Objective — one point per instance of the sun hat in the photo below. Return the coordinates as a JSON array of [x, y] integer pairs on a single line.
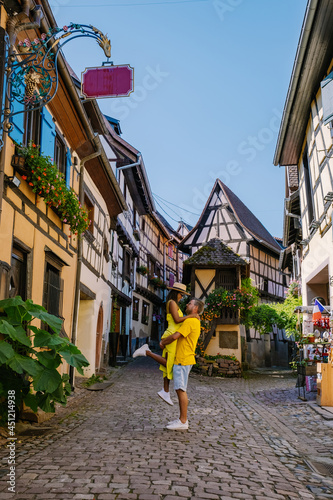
[[179, 287]]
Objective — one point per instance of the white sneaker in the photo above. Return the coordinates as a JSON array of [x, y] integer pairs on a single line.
[[172, 422], [165, 396], [142, 351], [178, 426]]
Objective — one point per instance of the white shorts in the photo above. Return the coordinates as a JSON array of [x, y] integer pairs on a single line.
[[180, 376]]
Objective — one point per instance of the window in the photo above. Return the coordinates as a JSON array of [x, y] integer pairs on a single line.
[[226, 279], [327, 98], [143, 225], [53, 290], [157, 270], [18, 272], [171, 279], [60, 154], [308, 187], [127, 265], [32, 127], [170, 252], [136, 306], [90, 209], [151, 266], [125, 190], [145, 313]]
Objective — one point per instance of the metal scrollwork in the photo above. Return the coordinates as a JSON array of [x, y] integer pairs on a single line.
[[32, 72]]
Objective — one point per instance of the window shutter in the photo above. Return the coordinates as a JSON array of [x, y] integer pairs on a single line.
[[48, 134], [327, 98], [68, 167], [17, 132]]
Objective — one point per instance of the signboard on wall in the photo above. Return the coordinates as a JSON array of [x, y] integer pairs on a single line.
[[107, 81]]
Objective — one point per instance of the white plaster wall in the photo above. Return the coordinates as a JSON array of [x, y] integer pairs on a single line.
[[213, 347], [86, 341], [88, 316]]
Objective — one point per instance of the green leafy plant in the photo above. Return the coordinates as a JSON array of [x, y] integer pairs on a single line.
[[143, 270], [291, 320], [242, 299], [94, 379], [220, 356], [30, 357], [263, 317], [157, 282], [45, 180]]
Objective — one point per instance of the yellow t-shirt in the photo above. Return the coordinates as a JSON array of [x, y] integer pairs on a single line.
[[187, 342]]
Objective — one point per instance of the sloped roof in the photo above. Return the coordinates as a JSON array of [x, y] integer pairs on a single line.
[[215, 253], [313, 58], [165, 222], [243, 215], [248, 220]]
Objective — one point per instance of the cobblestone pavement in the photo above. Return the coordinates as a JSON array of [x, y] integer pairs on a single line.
[[248, 439]]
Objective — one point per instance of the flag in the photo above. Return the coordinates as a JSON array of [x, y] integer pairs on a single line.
[[317, 310]]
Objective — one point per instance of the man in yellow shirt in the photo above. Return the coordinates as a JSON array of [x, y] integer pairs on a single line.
[[187, 335]]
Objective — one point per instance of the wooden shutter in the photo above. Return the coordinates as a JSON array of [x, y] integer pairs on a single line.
[[53, 291], [327, 98], [17, 133], [68, 167], [48, 134]]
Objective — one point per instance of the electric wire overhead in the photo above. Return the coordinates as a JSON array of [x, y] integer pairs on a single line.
[[132, 4], [159, 200]]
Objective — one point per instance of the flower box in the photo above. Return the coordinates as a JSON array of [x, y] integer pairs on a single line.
[[46, 181]]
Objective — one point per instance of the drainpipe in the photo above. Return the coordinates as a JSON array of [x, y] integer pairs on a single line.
[[79, 259], [164, 265], [136, 164]]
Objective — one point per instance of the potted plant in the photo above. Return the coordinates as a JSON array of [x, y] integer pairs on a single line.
[[157, 282], [143, 270]]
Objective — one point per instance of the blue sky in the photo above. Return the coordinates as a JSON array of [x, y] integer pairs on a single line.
[[211, 78]]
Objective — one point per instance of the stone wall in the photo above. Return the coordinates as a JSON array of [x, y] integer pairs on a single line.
[[219, 367]]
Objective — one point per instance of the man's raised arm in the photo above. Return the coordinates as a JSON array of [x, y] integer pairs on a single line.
[[169, 339]]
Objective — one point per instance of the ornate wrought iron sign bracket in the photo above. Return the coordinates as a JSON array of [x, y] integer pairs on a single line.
[[31, 69]]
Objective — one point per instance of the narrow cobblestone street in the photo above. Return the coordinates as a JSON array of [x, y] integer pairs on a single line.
[[248, 439]]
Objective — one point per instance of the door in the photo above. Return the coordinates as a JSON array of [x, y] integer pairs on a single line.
[[99, 337]]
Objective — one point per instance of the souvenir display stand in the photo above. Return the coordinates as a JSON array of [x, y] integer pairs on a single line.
[[315, 365]]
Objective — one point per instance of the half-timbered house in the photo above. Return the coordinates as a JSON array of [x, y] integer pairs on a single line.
[[226, 218], [126, 236], [40, 258], [304, 147], [213, 266]]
